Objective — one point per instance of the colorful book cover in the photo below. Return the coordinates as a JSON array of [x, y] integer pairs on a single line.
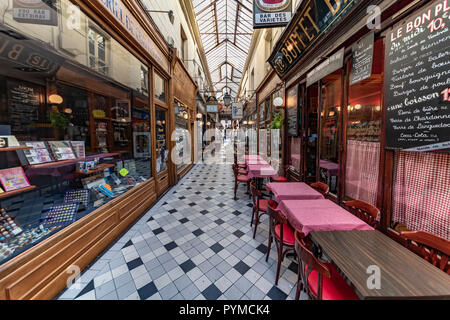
[[13, 179]]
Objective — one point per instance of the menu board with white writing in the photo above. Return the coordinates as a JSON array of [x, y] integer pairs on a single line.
[[23, 105], [362, 53], [417, 79]]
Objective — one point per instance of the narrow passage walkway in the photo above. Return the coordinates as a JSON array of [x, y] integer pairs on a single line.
[[195, 243]]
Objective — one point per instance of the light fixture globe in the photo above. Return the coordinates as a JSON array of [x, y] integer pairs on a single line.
[[227, 99], [278, 102]]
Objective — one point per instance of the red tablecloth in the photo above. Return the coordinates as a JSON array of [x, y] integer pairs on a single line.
[[261, 171], [293, 191], [320, 215]]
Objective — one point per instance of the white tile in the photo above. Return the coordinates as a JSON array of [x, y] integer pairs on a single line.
[[102, 279], [162, 281]]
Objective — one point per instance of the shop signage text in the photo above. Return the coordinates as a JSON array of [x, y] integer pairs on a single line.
[[271, 13], [330, 65], [315, 19], [126, 19], [417, 81], [35, 12]]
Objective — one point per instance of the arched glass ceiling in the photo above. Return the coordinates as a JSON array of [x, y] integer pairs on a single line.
[[226, 29]]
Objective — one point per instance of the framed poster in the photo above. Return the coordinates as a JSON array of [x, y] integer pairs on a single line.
[[39, 154], [13, 179]]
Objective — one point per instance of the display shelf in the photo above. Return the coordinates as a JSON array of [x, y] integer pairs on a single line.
[[14, 192], [15, 149], [51, 164], [99, 168]]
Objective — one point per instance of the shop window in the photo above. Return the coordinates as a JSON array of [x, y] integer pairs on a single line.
[[97, 51], [330, 130], [183, 144], [363, 133], [142, 145], [161, 141], [144, 80], [311, 132], [160, 88], [420, 192]]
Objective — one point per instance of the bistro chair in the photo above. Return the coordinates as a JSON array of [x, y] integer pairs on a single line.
[[260, 204], [320, 280], [282, 178], [240, 179], [240, 165], [365, 211], [321, 187], [281, 232], [434, 249]]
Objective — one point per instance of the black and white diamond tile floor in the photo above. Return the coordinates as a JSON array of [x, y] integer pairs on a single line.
[[195, 243]]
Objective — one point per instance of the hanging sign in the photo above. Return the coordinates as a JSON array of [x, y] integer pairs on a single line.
[[314, 19], [330, 65], [417, 81], [362, 59], [35, 12], [237, 111], [271, 13]]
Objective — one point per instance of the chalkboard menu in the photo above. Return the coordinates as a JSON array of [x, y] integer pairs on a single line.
[[418, 82], [292, 111], [362, 52], [23, 105]]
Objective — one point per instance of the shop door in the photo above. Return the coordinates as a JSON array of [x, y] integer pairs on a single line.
[[310, 147], [162, 152]]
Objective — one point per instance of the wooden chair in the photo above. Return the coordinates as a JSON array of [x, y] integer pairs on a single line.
[[280, 178], [239, 179], [434, 249], [365, 211], [321, 280], [281, 232], [321, 187], [240, 166], [259, 205]]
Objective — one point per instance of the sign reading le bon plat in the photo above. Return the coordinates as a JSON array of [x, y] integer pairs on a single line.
[[315, 19]]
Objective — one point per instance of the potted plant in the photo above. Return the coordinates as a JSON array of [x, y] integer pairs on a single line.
[[277, 121]]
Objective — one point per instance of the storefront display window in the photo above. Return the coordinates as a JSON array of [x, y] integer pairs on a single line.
[[330, 113], [311, 135], [182, 148], [161, 141], [81, 140], [363, 133], [159, 88]]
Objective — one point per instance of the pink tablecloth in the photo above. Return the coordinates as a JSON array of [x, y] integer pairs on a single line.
[[261, 171], [254, 159], [293, 191], [320, 215], [331, 167]]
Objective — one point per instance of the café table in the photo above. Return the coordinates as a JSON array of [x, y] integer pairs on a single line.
[[319, 215], [254, 159], [259, 172], [293, 191], [402, 273]]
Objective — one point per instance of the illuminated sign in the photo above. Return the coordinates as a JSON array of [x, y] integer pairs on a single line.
[[315, 19], [271, 13]]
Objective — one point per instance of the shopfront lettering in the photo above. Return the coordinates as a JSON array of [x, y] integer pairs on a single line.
[[315, 19]]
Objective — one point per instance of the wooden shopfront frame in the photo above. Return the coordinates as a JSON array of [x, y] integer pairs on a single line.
[[41, 272], [297, 76]]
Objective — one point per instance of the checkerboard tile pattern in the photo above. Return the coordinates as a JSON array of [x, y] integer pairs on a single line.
[[195, 243]]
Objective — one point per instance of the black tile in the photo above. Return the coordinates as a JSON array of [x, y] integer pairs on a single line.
[[204, 212], [129, 243], [198, 193], [236, 213], [170, 246], [276, 294], [212, 293], [90, 286], [172, 211], [158, 231], [192, 204], [223, 193], [217, 247], [134, 263], [198, 232], [221, 205], [219, 221], [151, 219], [212, 188], [147, 291], [250, 205], [262, 248], [208, 198], [187, 266], [293, 267], [238, 233], [184, 220], [182, 198], [164, 203], [242, 267]]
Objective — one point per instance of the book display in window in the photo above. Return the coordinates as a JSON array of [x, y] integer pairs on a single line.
[[62, 150], [79, 148], [38, 154], [13, 179]]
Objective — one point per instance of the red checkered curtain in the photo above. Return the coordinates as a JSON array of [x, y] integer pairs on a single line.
[[361, 176], [421, 195]]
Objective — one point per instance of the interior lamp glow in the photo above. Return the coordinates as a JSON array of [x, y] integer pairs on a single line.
[[55, 99], [199, 115]]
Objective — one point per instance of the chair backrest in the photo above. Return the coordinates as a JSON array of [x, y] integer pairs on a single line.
[[321, 187], [256, 194], [365, 211], [308, 263], [434, 249]]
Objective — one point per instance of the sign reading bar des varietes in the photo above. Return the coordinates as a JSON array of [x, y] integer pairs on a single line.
[[315, 19], [271, 13]]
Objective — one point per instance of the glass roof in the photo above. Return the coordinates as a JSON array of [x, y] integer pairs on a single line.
[[226, 29]]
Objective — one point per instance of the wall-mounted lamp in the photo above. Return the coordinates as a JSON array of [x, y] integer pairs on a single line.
[[278, 101], [170, 13], [55, 99]]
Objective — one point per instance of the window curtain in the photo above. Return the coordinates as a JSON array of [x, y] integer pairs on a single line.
[[362, 168], [295, 153], [421, 194]]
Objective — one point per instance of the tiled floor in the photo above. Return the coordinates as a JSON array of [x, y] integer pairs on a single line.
[[195, 243]]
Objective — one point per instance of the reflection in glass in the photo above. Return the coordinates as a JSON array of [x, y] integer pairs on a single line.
[[330, 128], [161, 141], [160, 88], [311, 138]]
